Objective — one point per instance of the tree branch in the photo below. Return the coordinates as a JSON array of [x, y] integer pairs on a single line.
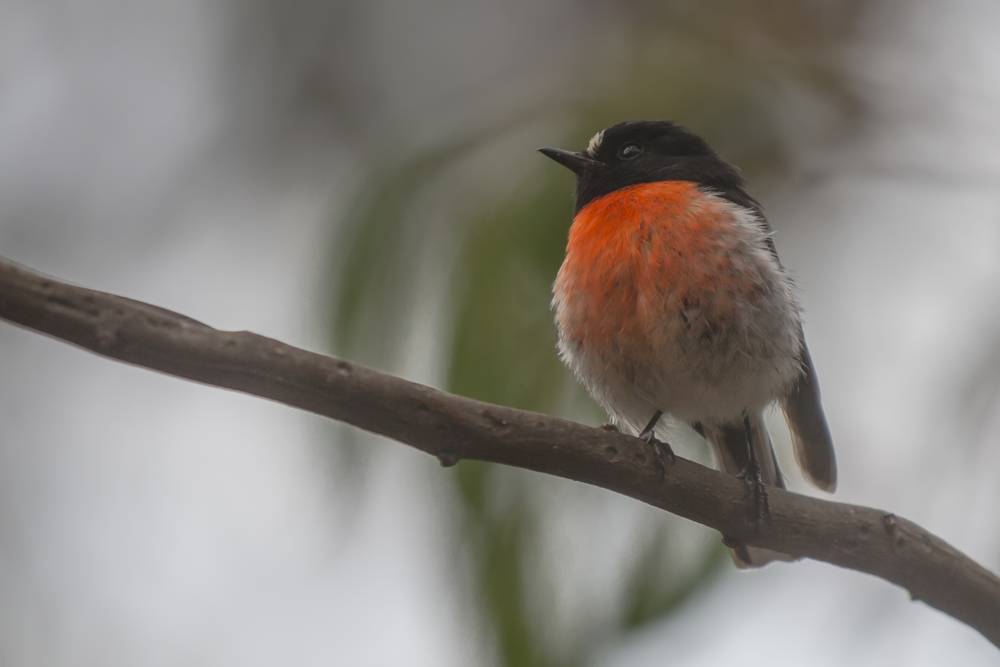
[[453, 428]]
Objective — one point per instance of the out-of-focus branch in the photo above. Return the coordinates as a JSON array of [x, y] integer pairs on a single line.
[[453, 428]]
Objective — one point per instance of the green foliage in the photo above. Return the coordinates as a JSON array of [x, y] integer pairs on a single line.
[[496, 536], [651, 597], [503, 350], [372, 259]]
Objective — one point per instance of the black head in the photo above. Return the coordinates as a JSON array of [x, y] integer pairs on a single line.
[[647, 151]]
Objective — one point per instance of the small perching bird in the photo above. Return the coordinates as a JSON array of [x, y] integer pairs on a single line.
[[671, 300]]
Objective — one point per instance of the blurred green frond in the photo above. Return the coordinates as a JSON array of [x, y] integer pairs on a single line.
[[372, 256], [502, 303], [649, 599]]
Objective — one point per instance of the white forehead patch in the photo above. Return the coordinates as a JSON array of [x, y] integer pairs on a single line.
[[595, 144]]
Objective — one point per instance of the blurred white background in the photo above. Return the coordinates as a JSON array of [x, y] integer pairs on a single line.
[[163, 150]]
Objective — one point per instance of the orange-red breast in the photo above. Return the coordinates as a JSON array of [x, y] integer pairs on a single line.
[[672, 300]]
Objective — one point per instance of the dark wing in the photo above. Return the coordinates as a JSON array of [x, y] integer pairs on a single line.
[[810, 435], [803, 410]]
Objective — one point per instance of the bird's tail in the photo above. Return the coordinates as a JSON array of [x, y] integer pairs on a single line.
[[732, 455]]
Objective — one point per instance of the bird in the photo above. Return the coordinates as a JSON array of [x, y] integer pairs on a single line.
[[671, 300]]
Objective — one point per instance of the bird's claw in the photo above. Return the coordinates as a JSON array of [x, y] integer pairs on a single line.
[[755, 484], [658, 450]]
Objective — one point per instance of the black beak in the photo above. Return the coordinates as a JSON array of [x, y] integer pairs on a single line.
[[575, 162]]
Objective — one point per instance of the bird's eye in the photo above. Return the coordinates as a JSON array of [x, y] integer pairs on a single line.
[[629, 151]]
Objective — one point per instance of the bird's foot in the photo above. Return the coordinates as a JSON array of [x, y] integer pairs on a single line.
[[755, 484], [659, 449]]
